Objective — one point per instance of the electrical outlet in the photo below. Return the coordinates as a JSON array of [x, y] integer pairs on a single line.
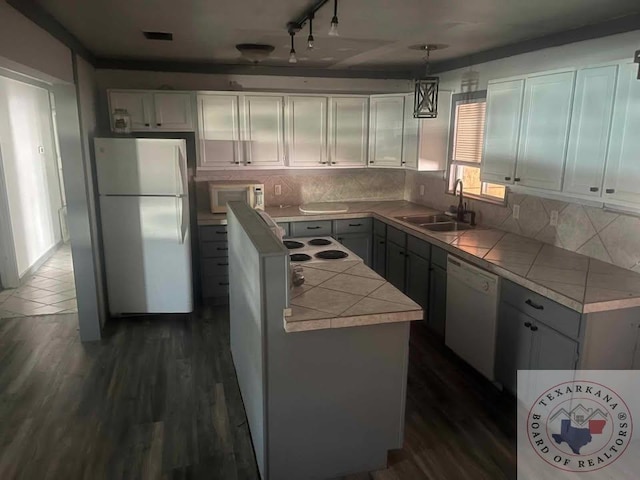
[[421, 190], [278, 190], [516, 212], [553, 220]]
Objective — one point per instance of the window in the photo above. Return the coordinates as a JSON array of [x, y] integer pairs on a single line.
[[467, 137]]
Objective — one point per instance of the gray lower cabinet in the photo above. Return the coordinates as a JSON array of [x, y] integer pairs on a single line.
[[418, 271], [396, 265], [513, 345], [437, 306], [358, 243], [379, 259], [214, 263], [320, 228]]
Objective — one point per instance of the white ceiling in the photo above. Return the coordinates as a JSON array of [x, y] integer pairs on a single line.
[[374, 34]]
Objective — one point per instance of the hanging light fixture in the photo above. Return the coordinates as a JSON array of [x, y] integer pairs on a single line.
[[310, 37], [333, 31], [425, 101], [292, 52]]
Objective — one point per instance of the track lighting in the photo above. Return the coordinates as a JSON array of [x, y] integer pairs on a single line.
[[292, 52], [310, 38], [333, 31]]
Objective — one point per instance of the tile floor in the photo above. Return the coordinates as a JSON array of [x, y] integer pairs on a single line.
[[50, 290]]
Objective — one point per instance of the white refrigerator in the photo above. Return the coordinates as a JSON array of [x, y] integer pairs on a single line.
[[144, 209]]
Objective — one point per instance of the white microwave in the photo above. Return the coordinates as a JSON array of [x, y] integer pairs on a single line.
[[225, 191]]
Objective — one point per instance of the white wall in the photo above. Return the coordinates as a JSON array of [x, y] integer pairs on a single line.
[[30, 177], [579, 54], [27, 49]]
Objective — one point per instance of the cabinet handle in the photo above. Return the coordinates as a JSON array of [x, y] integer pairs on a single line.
[[355, 224], [507, 178], [147, 125], [527, 324], [221, 233], [223, 264], [158, 124], [401, 253], [223, 284], [594, 189], [333, 163], [534, 305], [340, 239], [237, 163], [371, 161], [222, 248], [323, 163], [610, 190], [248, 162], [517, 179], [381, 242], [313, 228], [534, 328]]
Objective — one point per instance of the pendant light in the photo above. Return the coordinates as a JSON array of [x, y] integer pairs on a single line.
[[292, 52], [333, 31], [310, 37], [425, 101]]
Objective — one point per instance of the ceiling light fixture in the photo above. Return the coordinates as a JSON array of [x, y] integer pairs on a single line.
[[310, 37], [292, 52], [255, 52], [425, 100], [333, 31]]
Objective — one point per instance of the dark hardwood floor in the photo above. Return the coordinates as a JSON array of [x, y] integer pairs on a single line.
[[158, 398]]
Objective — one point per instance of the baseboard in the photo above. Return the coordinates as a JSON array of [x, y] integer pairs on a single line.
[[41, 261]]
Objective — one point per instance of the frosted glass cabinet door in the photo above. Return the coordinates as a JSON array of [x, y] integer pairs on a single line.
[[590, 127], [263, 132], [386, 130], [219, 130], [138, 104], [307, 131], [173, 111], [348, 131], [546, 113], [622, 180], [502, 129]]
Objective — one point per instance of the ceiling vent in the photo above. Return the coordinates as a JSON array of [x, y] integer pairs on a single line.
[[158, 36], [255, 52]]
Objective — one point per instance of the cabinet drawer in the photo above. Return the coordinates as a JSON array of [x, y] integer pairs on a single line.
[[311, 229], [552, 314], [439, 256], [356, 225], [214, 233], [215, 286], [419, 247], [396, 236], [214, 266], [214, 249], [286, 227], [379, 228]]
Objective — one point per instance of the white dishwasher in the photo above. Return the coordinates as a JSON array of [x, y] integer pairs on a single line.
[[472, 310]]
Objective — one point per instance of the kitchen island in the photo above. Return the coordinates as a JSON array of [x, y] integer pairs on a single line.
[[322, 368]]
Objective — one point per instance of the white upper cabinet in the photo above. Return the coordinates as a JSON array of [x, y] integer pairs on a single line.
[[262, 132], [173, 111], [307, 131], [386, 120], [219, 131], [157, 111], [434, 137], [546, 115], [139, 105], [410, 141], [348, 131], [502, 129], [590, 128], [622, 178]]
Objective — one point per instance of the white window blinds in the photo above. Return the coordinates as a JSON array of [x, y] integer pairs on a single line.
[[469, 133]]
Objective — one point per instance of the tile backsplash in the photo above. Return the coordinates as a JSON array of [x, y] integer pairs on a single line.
[[607, 236]]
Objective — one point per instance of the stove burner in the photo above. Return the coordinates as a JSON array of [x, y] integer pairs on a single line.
[[299, 257], [317, 242], [292, 245], [331, 254]]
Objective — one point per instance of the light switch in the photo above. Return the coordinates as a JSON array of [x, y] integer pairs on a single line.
[[278, 189], [516, 212], [41, 150]]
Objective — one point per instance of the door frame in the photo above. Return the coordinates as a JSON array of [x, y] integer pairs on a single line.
[[8, 264]]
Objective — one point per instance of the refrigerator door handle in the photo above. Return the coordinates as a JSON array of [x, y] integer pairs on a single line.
[[184, 217], [182, 173]]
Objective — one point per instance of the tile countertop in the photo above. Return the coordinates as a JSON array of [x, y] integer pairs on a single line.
[[346, 294], [576, 281]]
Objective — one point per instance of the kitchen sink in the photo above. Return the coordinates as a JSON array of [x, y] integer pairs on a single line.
[[446, 226], [426, 219]]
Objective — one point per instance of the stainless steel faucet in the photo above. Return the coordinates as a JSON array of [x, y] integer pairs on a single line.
[[460, 213]]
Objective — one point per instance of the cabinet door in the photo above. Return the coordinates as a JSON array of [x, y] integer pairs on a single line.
[[552, 350], [437, 316], [380, 255], [410, 135], [348, 131], [358, 243], [502, 130], [137, 104], [263, 134], [590, 128], [418, 272], [386, 120], [307, 131], [173, 111], [513, 345], [622, 180], [396, 265], [219, 130], [546, 113]]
